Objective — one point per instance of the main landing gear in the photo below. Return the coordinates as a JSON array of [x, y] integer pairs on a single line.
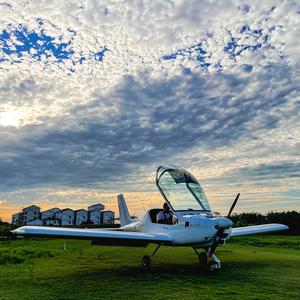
[[213, 262], [146, 260]]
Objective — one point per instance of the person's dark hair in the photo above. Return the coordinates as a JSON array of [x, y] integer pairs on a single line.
[[166, 206]]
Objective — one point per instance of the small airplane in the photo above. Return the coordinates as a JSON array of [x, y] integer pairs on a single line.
[[193, 224]]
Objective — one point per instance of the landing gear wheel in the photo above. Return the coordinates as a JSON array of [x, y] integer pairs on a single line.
[[214, 267], [146, 262], [202, 258]]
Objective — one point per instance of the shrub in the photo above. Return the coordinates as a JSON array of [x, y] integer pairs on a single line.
[[20, 255]]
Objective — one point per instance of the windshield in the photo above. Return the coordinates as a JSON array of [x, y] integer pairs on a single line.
[[181, 189]]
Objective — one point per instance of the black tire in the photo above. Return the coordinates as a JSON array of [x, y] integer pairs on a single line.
[[203, 259], [146, 262]]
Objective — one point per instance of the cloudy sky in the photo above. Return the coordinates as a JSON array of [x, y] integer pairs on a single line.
[[95, 95]]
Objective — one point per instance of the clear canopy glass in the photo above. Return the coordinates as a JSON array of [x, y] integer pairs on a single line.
[[181, 189]]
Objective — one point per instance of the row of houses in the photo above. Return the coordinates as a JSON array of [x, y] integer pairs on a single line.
[[32, 215]]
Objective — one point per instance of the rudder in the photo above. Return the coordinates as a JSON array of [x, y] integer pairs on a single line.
[[123, 211]]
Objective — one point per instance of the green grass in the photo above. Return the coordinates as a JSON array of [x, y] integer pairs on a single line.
[[258, 267]]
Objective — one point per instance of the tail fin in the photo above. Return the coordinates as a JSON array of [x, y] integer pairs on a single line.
[[123, 211]]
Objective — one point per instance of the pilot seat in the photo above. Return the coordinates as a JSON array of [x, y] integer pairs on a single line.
[[153, 213]]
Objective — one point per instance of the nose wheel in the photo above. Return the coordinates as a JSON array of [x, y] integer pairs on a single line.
[[213, 263], [214, 266]]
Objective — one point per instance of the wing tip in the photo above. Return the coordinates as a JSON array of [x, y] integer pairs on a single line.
[[258, 229]]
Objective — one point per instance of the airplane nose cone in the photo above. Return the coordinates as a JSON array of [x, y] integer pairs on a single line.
[[223, 223]]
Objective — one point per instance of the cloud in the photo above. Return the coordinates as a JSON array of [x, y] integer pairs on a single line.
[[266, 172], [148, 123]]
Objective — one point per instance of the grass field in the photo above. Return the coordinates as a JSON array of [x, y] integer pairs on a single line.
[[257, 267]]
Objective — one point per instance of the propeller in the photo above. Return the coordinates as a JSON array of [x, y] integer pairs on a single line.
[[222, 227], [233, 205]]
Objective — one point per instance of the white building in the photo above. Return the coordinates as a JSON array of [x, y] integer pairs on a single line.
[[52, 222], [66, 217], [17, 218], [36, 222], [81, 216], [97, 206], [95, 216], [31, 213], [49, 214], [107, 217]]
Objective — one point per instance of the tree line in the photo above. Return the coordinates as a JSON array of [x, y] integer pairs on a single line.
[[289, 218]]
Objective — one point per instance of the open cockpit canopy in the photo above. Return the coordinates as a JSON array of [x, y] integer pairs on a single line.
[[181, 189]]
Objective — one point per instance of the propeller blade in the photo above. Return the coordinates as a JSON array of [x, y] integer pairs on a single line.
[[233, 204]]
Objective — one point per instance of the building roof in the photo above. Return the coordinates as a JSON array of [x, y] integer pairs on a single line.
[[95, 210], [66, 209], [96, 204], [50, 209], [81, 209], [30, 207], [18, 213]]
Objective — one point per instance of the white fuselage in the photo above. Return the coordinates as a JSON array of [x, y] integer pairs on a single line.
[[191, 230]]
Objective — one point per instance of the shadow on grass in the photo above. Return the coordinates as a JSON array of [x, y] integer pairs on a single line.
[[232, 271]]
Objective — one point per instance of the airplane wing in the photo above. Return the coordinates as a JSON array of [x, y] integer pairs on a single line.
[[256, 229], [98, 237]]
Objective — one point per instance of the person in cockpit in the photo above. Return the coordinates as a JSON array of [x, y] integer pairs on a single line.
[[166, 216]]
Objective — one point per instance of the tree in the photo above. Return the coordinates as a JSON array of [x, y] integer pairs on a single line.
[[289, 218]]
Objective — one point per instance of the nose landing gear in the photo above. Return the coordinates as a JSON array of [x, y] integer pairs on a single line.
[[213, 262]]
